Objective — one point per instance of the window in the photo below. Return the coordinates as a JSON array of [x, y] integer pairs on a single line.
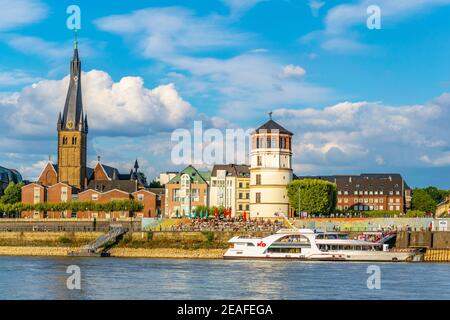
[[397, 193], [37, 195], [140, 197], [63, 194], [339, 192], [339, 200], [381, 207], [356, 200], [391, 208], [381, 200], [397, 208], [74, 140], [355, 193], [345, 200], [346, 193], [240, 207], [64, 140], [240, 195], [381, 193], [247, 207], [258, 197], [397, 200], [259, 161], [391, 193], [247, 196], [258, 179], [94, 197], [240, 184]]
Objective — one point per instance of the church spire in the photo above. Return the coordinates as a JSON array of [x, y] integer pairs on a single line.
[[73, 109]]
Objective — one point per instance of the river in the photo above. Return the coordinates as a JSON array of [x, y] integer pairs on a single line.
[[118, 278]]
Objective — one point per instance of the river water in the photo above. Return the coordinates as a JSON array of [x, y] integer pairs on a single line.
[[118, 278]]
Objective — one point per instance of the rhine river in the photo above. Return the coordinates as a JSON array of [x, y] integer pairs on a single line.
[[114, 278]]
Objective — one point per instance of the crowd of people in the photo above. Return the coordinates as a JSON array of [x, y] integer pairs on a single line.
[[228, 224]]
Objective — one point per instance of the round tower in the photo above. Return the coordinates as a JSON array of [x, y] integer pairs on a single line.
[[270, 170]]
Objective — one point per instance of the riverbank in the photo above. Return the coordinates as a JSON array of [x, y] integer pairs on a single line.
[[117, 252]]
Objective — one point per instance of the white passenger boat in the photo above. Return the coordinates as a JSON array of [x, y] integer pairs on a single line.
[[307, 244]]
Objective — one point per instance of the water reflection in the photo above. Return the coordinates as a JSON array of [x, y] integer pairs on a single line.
[[45, 278]]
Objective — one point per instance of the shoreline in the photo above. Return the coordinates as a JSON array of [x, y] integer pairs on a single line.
[[163, 253]]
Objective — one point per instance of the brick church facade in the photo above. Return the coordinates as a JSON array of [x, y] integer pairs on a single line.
[[72, 180]]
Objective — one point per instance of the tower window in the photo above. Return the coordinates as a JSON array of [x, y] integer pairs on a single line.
[[74, 140], [258, 179], [258, 197], [64, 140], [259, 161]]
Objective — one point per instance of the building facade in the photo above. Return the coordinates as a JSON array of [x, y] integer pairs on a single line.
[[270, 170], [7, 176], [370, 192], [165, 177], [186, 191], [443, 208], [230, 188]]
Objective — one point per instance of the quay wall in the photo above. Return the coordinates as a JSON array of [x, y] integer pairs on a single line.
[[367, 224]]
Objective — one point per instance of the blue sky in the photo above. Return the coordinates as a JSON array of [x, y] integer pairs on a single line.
[[358, 100]]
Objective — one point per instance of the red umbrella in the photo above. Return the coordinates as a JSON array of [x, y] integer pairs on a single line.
[[245, 216]]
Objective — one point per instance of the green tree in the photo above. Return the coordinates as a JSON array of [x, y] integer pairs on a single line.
[[438, 195], [312, 195], [12, 194], [155, 184], [423, 201]]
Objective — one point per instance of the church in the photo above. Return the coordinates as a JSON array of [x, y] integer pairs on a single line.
[[71, 179]]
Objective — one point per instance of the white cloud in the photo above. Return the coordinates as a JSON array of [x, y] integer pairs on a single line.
[[361, 135], [18, 13], [315, 6], [125, 107], [290, 71], [338, 34], [238, 7], [185, 43], [16, 77]]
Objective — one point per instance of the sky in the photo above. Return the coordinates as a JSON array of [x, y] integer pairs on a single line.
[[358, 99]]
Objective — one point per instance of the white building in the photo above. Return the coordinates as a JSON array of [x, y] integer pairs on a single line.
[[165, 177], [230, 188], [270, 170]]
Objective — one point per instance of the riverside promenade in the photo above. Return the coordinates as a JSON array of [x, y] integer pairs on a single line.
[[178, 238]]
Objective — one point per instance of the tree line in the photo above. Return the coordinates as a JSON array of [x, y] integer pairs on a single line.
[[11, 205]]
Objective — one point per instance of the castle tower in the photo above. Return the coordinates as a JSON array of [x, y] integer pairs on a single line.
[[270, 170], [72, 130]]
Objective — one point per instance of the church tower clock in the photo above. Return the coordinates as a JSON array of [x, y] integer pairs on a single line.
[[72, 130]]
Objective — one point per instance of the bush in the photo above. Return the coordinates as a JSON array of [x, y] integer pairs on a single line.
[[415, 214], [209, 236]]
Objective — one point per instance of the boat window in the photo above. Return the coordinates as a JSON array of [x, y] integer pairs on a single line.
[[249, 244]]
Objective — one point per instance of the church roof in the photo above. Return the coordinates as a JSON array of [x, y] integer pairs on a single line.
[[270, 126], [73, 117]]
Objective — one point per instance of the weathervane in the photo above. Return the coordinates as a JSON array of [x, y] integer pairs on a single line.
[[270, 115]]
